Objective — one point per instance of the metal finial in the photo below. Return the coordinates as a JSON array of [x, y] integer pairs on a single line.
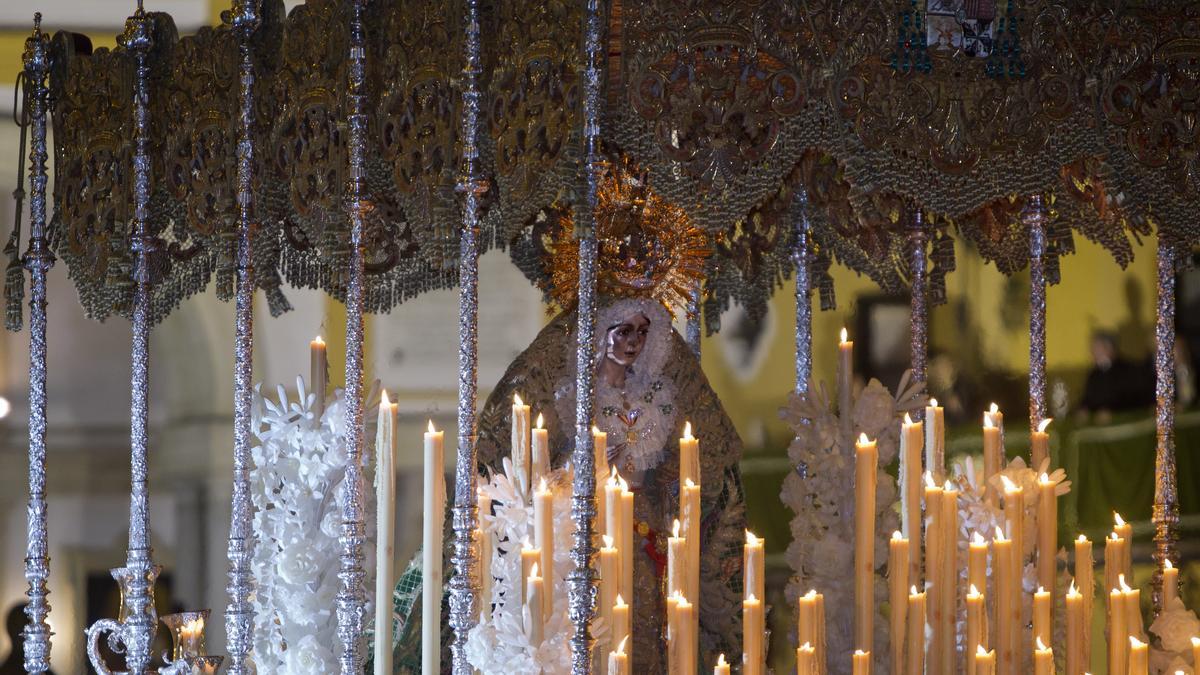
[[37, 22]]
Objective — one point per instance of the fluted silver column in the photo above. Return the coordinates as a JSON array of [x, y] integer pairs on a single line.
[[464, 585], [38, 261], [351, 599], [239, 615], [919, 298], [801, 244]]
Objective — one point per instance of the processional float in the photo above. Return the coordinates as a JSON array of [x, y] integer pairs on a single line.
[[319, 148]]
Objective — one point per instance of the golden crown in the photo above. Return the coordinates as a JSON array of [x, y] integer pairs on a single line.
[[646, 246]]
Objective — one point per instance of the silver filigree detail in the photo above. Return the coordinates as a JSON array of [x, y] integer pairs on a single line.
[[1035, 219], [1166, 496], [919, 295]]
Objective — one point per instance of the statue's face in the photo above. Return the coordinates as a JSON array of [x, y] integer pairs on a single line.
[[626, 339]]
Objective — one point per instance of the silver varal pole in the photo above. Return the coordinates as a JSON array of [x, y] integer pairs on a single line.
[[1166, 494], [38, 261], [580, 587], [464, 585], [919, 297], [239, 615], [801, 243], [351, 599], [1035, 220]]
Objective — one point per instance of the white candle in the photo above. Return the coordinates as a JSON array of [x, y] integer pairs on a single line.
[[607, 592], [534, 602], [385, 532], [600, 446], [722, 667], [866, 461], [319, 374], [910, 492], [530, 556], [689, 515], [689, 456], [676, 561], [845, 377], [620, 613], [753, 567], [520, 445], [626, 544], [543, 538], [486, 544], [618, 660], [897, 587], [431, 552], [540, 449]]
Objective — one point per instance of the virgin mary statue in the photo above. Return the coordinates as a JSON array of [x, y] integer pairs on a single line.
[[647, 385]]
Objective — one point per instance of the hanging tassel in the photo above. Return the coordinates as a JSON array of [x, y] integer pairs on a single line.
[[14, 274]]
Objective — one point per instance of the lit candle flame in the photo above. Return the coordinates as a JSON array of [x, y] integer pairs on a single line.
[[863, 440], [1041, 646], [319, 341], [987, 422], [1041, 589], [993, 409], [687, 431], [596, 430], [749, 598], [978, 539], [721, 659], [913, 590], [533, 570], [1072, 590], [517, 400], [1009, 486], [812, 593], [1044, 478], [1135, 643], [859, 652], [689, 483], [751, 540], [949, 486], [540, 421], [1118, 519], [675, 529], [844, 335], [619, 601], [999, 534], [1167, 564], [1121, 582], [907, 420], [980, 651], [431, 429], [929, 480], [542, 487], [383, 399], [1043, 424], [621, 647], [1114, 536], [933, 403], [974, 592], [1082, 539], [608, 541], [897, 535]]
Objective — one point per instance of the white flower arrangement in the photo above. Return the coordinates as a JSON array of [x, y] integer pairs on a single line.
[[297, 488], [499, 644], [1175, 627]]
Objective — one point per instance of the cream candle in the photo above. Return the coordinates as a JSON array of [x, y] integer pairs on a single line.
[[810, 620], [600, 448], [1118, 636], [911, 445], [985, 662], [689, 456], [1086, 584], [1075, 630], [1014, 514], [949, 593], [1131, 599], [1008, 607], [543, 538], [1196, 651], [722, 666], [626, 544], [385, 531], [992, 452], [540, 451], [1043, 658], [530, 555], [685, 624], [620, 614], [845, 379], [861, 662], [1047, 530], [977, 557], [607, 591], [618, 660], [1039, 444], [318, 374], [484, 546], [676, 561], [520, 445], [915, 648], [754, 566], [1139, 657], [431, 552], [897, 589], [866, 462], [1124, 531], [612, 507], [1042, 616], [935, 440], [806, 660], [1170, 584], [976, 626], [1114, 558], [753, 625], [935, 553]]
